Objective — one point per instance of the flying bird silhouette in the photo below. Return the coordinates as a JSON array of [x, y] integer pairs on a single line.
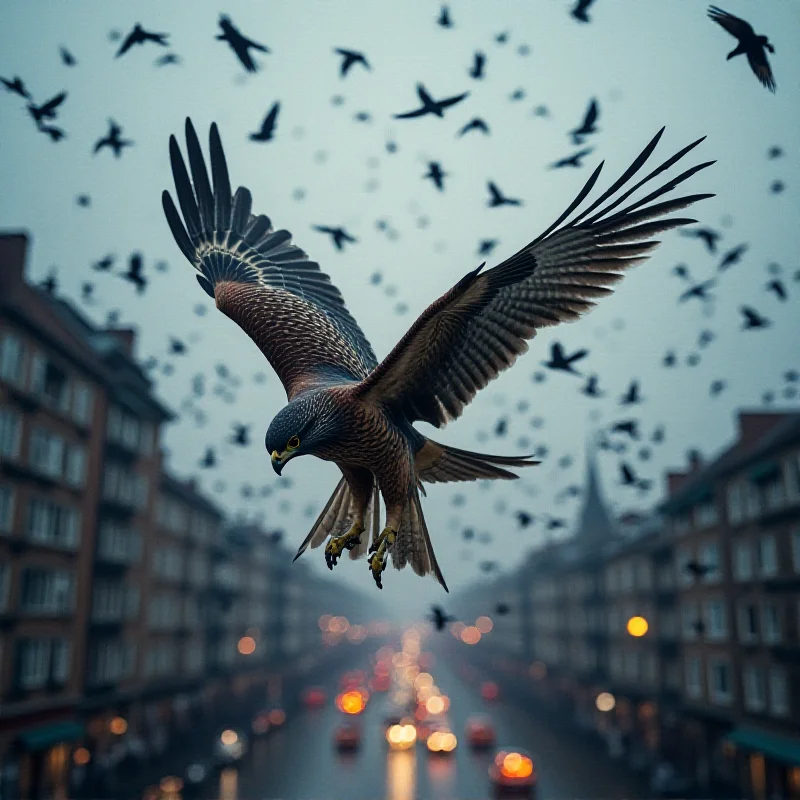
[[777, 286], [67, 59], [16, 86], [476, 71], [632, 396], [346, 407], [497, 198], [113, 140], [708, 236], [749, 44], [559, 360], [48, 110], [440, 618], [267, 130], [239, 43], [444, 20], [436, 175], [139, 36], [135, 272], [732, 257], [338, 235], [475, 124], [167, 59], [699, 290], [579, 10], [588, 126], [349, 59], [752, 319], [431, 106], [575, 160]]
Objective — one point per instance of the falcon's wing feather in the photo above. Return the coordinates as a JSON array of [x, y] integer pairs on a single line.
[[735, 26], [258, 278], [479, 328], [757, 58]]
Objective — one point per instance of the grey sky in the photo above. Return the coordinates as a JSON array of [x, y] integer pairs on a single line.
[[649, 64]]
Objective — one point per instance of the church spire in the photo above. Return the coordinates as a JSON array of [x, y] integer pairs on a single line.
[[595, 525]]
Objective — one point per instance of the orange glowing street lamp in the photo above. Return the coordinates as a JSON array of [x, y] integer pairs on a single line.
[[637, 626]]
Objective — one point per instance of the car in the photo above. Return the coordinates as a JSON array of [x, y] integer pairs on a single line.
[[347, 736], [480, 731], [314, 697], [512, 773]]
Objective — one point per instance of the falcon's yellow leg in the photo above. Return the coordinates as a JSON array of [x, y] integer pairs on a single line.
[[377, 562], [338, 544]]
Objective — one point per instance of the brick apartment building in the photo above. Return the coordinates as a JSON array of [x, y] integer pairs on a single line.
[[713, 684], [125, 599]]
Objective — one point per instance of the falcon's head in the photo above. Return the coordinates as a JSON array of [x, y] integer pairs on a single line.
[[301, 428]]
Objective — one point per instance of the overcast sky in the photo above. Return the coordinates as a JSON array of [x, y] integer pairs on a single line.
[[648, 64]]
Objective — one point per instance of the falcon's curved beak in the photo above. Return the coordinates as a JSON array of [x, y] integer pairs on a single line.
[[277, 464]]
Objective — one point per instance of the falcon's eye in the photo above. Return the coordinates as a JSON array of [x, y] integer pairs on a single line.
[[293, 443]]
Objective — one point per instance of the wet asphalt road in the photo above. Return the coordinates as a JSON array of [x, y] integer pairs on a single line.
[[299, 761]]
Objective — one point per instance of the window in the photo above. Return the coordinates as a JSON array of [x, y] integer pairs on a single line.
[[632, 665], [62, 660], [49, 382], [626, 576], [719, 681], [778, 692], [33, 663], [716, 622], [644, 575], [684, 557], [147, 439], [742, 561], [735, 503], [5, 584], [118, 543], [705, 515], [171, 515], [694, 685], [755, 692], [76, 465], [125, 486], [10, 429], [710, 559], [689, 620], [767, 557], [114, 424], [53, 525], [108, 601], [774, 492], [111, 661], [6, 509], [752, 500], [771, 620], [47, 592], [748, 622], [796, 549], [161, 659], [164, 612], [168, 563], [82, 404], [649, 669], [11, 359], [46, 453], [193, 658]]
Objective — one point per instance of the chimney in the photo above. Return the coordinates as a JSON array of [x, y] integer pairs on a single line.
[[695, 459], [125, 336], [13, 248]]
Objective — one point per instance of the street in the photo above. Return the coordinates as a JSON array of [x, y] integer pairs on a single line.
[[299, 762]]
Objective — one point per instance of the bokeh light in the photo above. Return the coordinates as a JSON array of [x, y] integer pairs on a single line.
[[637, 626]]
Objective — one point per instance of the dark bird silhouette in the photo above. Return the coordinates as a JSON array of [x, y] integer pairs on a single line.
[[67, 59], [176, 346], [629, 478], [524, 519], [776, 187], [669, 360], [517, 94], [777, 286], [139, 36], [717, 387], [50, 283], [267, 130], [708, 236], [475, 124], [104, 264], [752, 319], [134, 274], [47, 110], [16, 86], [239, 43], [431, 106], [791, 376], [697, 569], [556, 524], [705, 338], [167, 59], [350, 58], [632, 396], [590, 388], [486, 246], [209, 458], [501, 609], [657, 437], [444, 20], [587, 127], [439, 617], [775, 151], [240, 435], [699, 290], [87, 292], [541, 111], [575, 160], [113, 140], [629, 426], [699, 627], [467, 534], [682, 271], [497, 198], [501, 38], [749, 44], [338, 235], [733, 256], [478, 65], [501, 428], [559, 360], [56, 134], [436, 175], [579, 10]]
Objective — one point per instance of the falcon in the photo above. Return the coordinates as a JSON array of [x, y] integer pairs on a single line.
[[346, 407]]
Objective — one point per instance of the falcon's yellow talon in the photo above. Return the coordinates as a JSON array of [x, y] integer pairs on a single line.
[[338, 544], [377, 562]]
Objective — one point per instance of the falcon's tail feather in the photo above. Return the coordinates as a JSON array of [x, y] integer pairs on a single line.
[[337, 517], [439, 463], [413, 543]]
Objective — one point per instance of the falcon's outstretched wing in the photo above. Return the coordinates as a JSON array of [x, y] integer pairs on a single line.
[[263, 282], [478, 328], [735, 26]]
